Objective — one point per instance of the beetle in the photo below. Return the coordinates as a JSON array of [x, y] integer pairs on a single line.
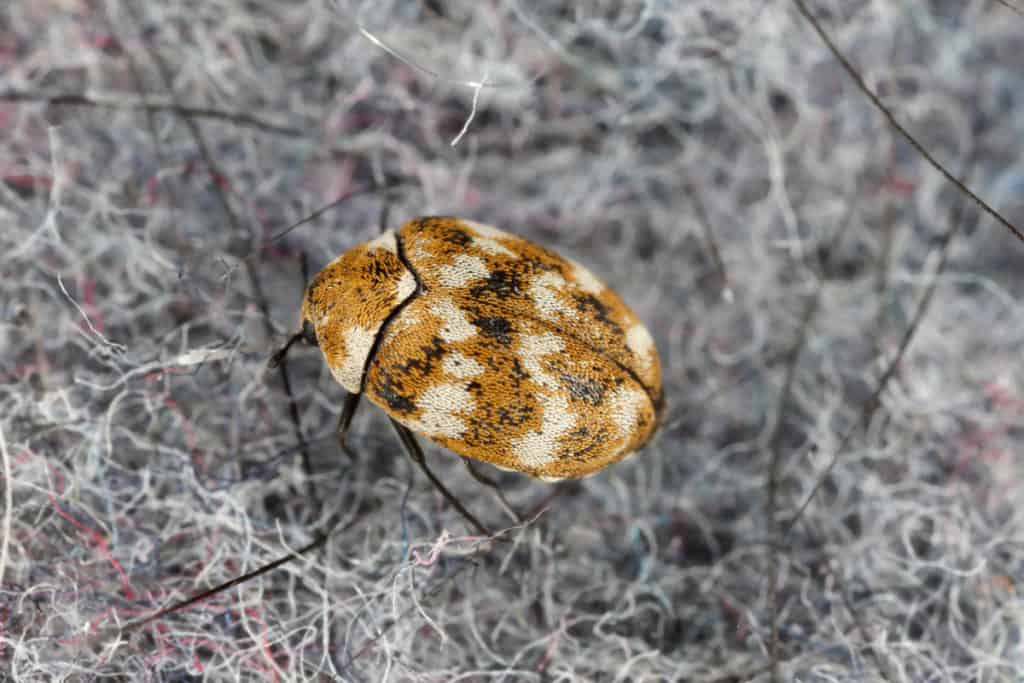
[[487, 344]]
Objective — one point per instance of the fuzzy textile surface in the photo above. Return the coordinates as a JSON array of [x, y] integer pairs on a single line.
[[834, 493]]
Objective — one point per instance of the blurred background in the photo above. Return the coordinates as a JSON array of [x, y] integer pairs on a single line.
[[834, 494]]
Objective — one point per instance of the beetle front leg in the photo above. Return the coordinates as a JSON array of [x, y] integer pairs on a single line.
[[348, 411], [278, 357], [306, 334]]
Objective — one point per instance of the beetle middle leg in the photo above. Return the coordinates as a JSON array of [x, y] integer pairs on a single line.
[[416, 453]]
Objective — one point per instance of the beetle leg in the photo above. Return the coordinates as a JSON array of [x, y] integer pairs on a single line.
[[562, 488], [416, 453], [306, 334], [278, 357], [493, 485], [348, 410], [277, 361]]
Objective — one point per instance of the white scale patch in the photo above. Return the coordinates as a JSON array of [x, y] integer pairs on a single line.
[[406, 286], [536, 449], [349, 373], [544, 293], [405, 321], [493, 246], [486, 238], [461, 366], [532, 348], [463, 270], [639, 341], [386, 241], [626, 405], [416, 253], [439, 406], [587, 281], [456, 326], [484, 230]]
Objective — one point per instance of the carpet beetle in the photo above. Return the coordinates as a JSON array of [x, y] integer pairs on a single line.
[[488, 345]]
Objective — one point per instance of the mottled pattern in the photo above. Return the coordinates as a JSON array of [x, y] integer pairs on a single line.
[[570, 376], [508, 353]]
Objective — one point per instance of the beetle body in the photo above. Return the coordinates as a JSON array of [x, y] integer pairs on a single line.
[[490, 346]]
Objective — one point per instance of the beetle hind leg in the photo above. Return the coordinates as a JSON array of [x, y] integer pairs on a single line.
[[493, 485], [416, 453]]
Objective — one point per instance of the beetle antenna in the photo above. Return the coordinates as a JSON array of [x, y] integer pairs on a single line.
[[199, 597]]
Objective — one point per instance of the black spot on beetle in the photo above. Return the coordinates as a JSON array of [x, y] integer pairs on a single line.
[[489, 424], [589, 390], [553, 263], [389, 391], [479, 435], [456, 236], [582, 454], [424, 362], [518, 374], [497, 328], [596, 441], [502, 283], [514, 415], [588, 303]]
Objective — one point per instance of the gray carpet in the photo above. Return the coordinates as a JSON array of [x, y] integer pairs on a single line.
[[834, 494]]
